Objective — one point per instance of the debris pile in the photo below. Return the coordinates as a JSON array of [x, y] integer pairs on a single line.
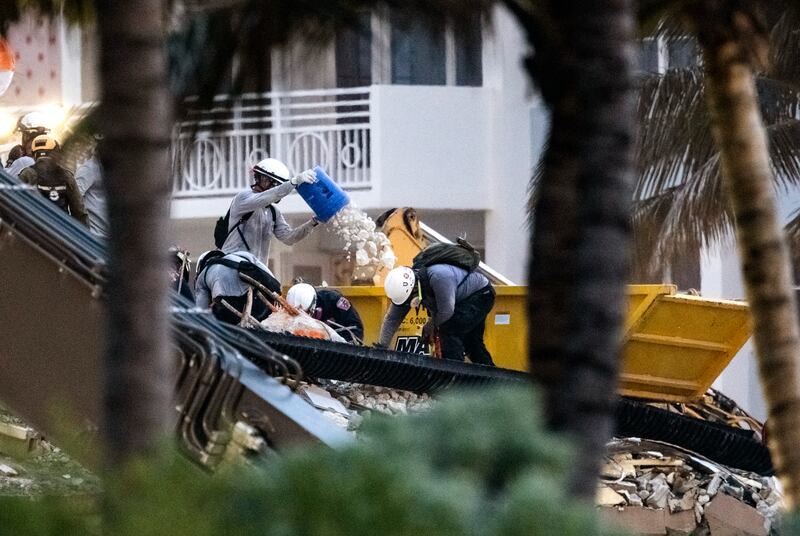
[[29, 469], [656, 488], [371, 248], [347, 403], [717, 408]]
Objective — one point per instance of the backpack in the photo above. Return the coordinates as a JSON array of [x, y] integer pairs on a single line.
[[221, 231], [249, 269], [461, 255], [51, 180]]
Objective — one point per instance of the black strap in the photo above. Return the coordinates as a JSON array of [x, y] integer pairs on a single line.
[[244, 219], [237, 228], [263, 276], [219, 260], [230, 263]]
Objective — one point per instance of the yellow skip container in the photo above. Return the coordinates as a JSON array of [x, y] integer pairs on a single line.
[[675, 345]]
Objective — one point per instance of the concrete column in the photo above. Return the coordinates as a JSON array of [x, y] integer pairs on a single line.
[[514, 124], [722, 279]]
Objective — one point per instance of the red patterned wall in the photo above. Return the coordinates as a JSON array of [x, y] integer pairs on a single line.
[[38, 71]]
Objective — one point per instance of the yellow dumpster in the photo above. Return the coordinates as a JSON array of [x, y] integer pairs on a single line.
[[675, 345]]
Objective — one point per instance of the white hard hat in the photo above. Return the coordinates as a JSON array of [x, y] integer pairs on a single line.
[[303, 296], [33, 121], [399, 284], [274, 169]]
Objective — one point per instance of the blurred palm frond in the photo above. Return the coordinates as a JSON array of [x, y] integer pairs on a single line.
[[679, 204]]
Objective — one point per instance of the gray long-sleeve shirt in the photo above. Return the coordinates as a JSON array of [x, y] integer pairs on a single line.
[[19, 164], [89, 177], [258, 230], [444, 280], [218, 280]]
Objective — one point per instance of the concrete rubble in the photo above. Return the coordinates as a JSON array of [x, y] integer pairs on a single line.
[[359, 400], [647, 487], [650, 487]]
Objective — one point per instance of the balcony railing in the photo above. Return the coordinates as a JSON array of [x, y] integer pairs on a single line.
[[215, 148]]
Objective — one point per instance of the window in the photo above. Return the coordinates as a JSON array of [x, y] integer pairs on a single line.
[[418, 50], [682, 53], [354, 54], [469, 64], [659, 54], [648, 59], [390, 46]]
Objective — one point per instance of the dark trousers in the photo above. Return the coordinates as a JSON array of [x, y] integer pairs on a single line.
[[259, 310], [463, 332]]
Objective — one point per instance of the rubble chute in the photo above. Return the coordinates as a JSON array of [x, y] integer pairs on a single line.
[[7, 62]]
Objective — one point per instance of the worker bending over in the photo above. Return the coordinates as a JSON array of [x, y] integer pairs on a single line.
[[457, 302], [218, 280], [329, 306]]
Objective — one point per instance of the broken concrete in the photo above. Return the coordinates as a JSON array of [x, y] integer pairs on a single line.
[[680, 523], [683, 485], [729, 517], [636, 519]]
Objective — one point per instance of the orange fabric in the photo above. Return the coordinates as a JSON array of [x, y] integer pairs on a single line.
[[7, 60], [311, 333]]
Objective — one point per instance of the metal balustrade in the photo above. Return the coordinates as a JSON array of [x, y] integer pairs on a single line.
[[215, 147]]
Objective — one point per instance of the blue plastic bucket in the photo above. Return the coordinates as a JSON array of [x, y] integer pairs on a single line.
[[324, 196]]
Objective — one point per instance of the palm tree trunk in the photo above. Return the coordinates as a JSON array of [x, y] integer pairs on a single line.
[[135, 118], [581, 233], [746, 171]]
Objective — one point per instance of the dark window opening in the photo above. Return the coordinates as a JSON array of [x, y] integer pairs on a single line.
[[469, 63], [682, 53], [354, 54], [418, 50], [648, 59]]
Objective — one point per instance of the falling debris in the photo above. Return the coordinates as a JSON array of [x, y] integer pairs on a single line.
[[371, 249]]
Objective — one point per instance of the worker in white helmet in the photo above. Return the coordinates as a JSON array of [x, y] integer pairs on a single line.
[[30, 126], [329, 306], [253, 217], [457, 302]]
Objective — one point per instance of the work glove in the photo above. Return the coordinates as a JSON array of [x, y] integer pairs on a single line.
[[428, 330], [306, 177]]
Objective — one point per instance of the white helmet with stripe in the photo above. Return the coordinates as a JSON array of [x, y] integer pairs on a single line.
[[399, 284], [273, 169]]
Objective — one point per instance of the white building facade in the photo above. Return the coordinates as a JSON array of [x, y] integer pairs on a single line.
[[399, 115]]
